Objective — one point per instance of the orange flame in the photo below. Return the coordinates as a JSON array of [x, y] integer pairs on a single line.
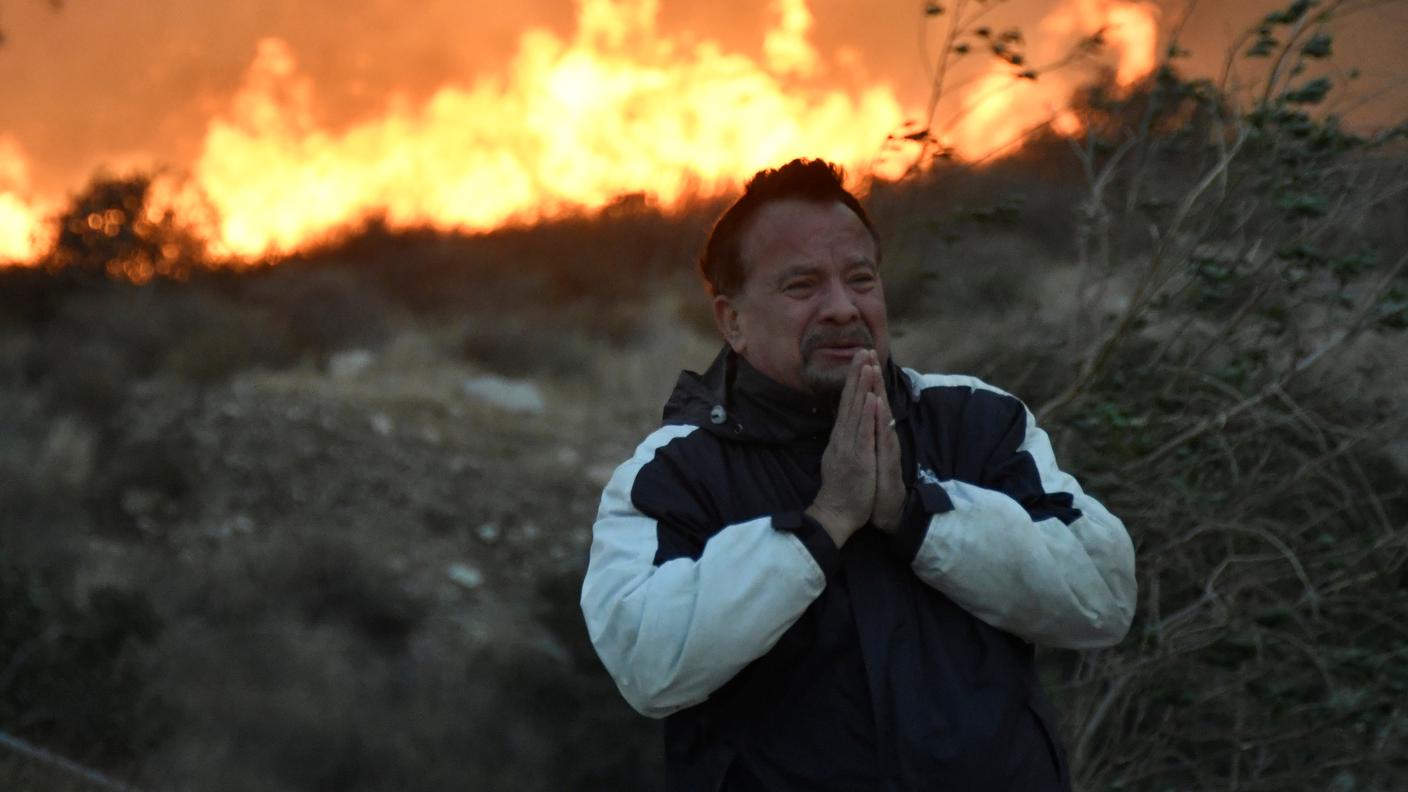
[[23, 235], [998, 107], [1131, 30], [573, 125]]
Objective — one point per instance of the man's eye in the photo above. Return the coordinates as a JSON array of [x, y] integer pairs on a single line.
[[797, 287], [863, 279]]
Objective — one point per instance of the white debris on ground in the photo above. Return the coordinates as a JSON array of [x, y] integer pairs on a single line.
[[488, 532], [504, 393], [349, 363], [465, 576], [382, 424]]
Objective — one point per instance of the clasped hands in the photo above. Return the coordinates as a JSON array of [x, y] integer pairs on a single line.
[[860, 469]]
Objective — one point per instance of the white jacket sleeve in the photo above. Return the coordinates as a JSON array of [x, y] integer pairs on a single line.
[[673, 630], [1025, 549]]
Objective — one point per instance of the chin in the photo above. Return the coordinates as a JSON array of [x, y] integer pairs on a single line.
[[825, 382]]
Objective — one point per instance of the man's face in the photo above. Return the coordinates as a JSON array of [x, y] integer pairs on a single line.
[[811, 295]]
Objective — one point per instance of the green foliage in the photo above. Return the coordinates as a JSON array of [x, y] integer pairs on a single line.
[[1394, 315], [1231, 413], [68, 676], [1264, 46], [1292, 13], [1319, 46], [1311, 93]]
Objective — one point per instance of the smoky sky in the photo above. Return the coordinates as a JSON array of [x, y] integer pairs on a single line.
[[125, 84]]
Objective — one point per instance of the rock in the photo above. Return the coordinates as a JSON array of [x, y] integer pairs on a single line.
[[382, 424], [241, 524], [488, 533], [466, 576], [506, 394], [460, 463], [65, 460], [349, 363], [238, 524]]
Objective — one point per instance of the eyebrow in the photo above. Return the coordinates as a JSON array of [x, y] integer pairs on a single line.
[[798, 270]]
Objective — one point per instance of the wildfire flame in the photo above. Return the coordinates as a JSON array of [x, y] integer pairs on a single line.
[[576, 124], [23, 236], [571, 124], [999, 107]]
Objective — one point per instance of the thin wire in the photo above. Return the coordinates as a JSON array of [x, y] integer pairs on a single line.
[[54, 760]]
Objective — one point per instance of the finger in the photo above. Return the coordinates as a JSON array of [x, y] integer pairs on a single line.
[[879, 384], [845, 408], [867, 427], [856, 417], [887, 441], [865, 391]]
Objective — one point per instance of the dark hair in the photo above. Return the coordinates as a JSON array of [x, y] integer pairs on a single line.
[[815, 180]]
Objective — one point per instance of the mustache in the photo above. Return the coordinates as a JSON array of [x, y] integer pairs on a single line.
[[858, 335]]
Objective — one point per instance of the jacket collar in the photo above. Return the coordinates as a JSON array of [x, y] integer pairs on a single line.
[[735, 400]]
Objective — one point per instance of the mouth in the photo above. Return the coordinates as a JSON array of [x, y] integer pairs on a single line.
[[844, 352], [838, 348]]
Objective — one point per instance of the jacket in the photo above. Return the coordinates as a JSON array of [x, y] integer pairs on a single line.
[[901, 661]]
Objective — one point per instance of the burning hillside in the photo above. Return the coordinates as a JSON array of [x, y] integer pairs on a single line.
[[572, 122]]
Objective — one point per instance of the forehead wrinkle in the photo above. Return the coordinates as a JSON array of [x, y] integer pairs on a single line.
[[809, 241], [794, 270]]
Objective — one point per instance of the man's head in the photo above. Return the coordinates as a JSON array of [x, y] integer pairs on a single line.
[[793, 267]]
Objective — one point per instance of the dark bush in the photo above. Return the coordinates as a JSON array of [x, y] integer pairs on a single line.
[[228, 339], [88, 382], [107, 231], [320, 310], [332, 582], [142, 485], [69, 676]]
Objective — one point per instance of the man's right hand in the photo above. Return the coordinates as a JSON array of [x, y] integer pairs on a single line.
[[847, 495]]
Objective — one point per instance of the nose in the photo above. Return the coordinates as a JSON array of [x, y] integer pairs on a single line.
[[838, 304]]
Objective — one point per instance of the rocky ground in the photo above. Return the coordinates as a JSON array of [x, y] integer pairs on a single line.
[[366, 564]]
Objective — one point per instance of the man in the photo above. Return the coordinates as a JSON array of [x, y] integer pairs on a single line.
[[826, 571]]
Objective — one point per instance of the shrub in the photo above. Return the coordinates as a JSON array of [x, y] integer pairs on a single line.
[[1230, 409], [108, 231], [319, 310], [68, 676]]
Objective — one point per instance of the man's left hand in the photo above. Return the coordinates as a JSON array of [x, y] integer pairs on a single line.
[[889, 483]]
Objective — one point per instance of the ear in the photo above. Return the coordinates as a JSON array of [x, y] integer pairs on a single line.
[[730, 324]]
